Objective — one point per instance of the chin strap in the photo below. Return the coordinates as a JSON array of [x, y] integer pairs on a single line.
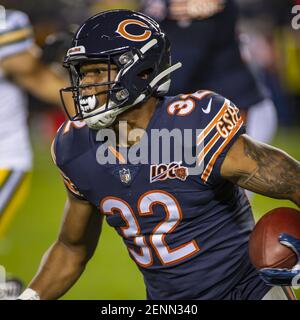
[[106, 119]]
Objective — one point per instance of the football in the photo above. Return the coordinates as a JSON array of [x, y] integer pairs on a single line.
[[265, 250]]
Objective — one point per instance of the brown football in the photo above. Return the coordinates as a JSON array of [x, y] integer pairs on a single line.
[[265, 250]]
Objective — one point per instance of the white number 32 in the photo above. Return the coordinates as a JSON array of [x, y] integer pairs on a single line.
[[144, 256]]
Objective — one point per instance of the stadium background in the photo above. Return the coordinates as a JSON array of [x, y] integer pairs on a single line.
[[111, 274]]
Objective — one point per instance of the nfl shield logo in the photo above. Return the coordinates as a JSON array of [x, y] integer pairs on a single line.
[[125, 175]]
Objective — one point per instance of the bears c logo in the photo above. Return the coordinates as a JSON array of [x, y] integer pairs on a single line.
[[129, 36]]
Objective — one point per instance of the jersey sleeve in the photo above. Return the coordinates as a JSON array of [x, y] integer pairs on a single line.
[[70, 186], [16, 36], [221, 126]]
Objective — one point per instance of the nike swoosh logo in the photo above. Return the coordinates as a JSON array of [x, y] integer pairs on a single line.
[[208, 108]]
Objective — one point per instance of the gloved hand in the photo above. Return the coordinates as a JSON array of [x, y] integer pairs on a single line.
[[284, 277]]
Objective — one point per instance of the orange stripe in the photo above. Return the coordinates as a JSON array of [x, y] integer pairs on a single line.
[[206, 149], [67, 126], [214, 121], [69, 184], [212, 161], [117, 154]]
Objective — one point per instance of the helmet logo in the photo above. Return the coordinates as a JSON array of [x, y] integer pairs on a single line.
[[125, 34]]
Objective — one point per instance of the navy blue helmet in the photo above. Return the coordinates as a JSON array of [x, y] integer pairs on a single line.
[[135, 44]]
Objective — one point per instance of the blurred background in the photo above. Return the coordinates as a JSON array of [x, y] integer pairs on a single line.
[[269, 44]]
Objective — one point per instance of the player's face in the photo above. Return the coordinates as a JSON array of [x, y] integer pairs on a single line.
[[96, 73]]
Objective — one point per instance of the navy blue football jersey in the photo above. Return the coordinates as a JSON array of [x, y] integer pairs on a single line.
[[187, 230]]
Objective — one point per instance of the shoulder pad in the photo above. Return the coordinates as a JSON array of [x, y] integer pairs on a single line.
[[71, 140], [218, 122]]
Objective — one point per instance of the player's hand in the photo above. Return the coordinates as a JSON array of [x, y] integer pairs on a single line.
[[284, 277]]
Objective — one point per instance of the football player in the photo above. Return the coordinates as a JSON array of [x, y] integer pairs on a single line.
[[187, 233], [20, 68]]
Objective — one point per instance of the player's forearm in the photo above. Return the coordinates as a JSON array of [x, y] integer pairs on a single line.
[[274, 174], [43, 83], [29, 72], [59, 270]]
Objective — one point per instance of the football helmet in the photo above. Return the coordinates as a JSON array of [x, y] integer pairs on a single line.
[[135, 44]]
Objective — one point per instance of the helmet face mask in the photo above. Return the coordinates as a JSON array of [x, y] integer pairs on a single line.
[[87, 106], [130, 42]]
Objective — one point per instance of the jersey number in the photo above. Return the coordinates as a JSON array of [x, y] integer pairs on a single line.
[[111, 205]]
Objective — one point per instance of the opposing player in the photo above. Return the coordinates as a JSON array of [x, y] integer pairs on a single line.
[[20, 68], [187, 232]]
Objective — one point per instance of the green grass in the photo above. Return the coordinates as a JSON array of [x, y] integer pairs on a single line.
[[111, 274]]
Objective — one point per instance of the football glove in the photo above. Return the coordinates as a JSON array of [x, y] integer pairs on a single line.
[[283, 276]]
